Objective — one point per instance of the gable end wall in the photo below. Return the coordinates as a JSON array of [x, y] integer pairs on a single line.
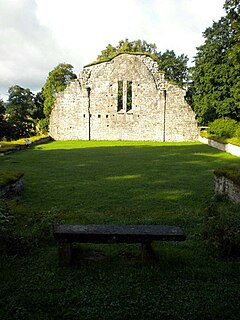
[[88, 107]]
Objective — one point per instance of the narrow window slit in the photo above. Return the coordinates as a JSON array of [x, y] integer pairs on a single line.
[[120, 96], [129, 95]]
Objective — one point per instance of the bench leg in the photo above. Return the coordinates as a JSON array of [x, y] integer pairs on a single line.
[[147, 251], [65, 253]]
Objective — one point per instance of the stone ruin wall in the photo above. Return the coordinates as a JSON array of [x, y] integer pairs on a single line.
[[155, 115], [226, 187]]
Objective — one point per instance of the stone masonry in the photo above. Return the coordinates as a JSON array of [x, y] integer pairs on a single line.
[[126, 98], [226, 187]]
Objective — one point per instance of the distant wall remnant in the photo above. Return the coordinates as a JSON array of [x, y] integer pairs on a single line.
[[126, 98], [226, 187]]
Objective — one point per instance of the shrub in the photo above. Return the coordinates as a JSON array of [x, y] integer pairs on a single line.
[[222, 228], [237, 132], [43, 125], [224, 127]]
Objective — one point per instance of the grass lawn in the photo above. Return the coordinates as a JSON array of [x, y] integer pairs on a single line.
[[116, 182]]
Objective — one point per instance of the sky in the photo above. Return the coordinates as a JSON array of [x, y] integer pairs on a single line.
[[37, 35]]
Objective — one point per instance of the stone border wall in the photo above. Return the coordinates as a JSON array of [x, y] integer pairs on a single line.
[[23, 146], [226, 187], [228, 147]]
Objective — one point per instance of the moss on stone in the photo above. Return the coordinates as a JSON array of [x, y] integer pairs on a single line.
[[232, 174], [119, 53], [7, 177]]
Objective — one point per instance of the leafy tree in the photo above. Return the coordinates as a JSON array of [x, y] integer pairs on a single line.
[[232, 8], [175, 67], [20, 108], [3, 123], [57, 81], [39, 105], [125, 46], [216, 75]]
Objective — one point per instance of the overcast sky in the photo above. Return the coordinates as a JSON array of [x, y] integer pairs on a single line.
[[37, 35]]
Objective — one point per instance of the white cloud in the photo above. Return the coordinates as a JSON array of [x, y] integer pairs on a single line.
[[36, 35]]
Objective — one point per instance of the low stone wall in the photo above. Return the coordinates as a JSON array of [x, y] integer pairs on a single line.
[[14, 187], [228, 147], [226, 187]]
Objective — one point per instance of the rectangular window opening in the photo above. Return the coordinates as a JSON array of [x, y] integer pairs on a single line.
[[129, 95], [120, 96]]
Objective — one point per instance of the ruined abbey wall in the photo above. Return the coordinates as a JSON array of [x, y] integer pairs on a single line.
[[126, 98]]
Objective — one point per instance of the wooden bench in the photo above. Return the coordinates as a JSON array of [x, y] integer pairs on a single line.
[[66, 234]]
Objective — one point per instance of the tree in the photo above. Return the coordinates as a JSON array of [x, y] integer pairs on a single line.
[[57, 81], [174, 67], [3, 123], [125, 46], [20, 108], [39, 105], [216, 75]]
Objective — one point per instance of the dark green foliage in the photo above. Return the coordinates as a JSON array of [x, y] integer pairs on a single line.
[[20, 108], [3, 122], [216, 75], [56, 82], [222, 228], [19, 117], [174, 67], [224, 127], [39, 104]]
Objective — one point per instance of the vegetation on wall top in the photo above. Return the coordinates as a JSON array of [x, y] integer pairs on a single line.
[[174, 67], [229, 173], [108, 59], [7, 177]]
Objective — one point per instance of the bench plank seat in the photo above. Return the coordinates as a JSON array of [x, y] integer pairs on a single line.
[[66, 234]]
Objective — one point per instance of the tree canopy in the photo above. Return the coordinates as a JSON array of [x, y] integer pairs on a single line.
[[126, 46], [216, 75], [3, 122], [57, 81], [20, 109], [174, 67]]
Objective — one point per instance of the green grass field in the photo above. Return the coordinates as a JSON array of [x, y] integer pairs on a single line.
[[116, 182]]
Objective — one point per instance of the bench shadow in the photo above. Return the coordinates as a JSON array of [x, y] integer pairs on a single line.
[[128, 255]]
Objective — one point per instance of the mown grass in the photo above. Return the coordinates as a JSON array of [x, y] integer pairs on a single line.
[[117, 182]]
